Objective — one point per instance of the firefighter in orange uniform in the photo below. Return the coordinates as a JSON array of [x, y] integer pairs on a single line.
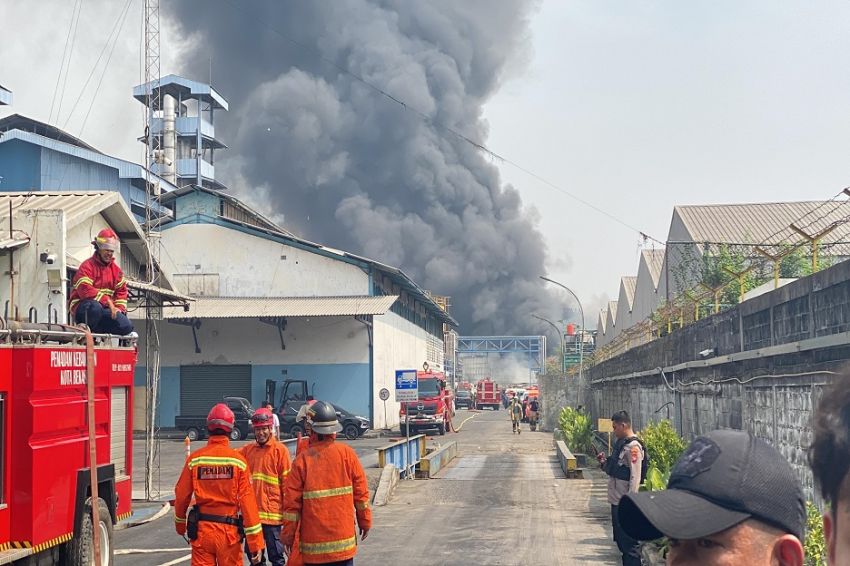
[[326, 483], [218, 477], [269, 463]]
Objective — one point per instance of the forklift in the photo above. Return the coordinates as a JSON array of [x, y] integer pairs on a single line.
[[293, 395]]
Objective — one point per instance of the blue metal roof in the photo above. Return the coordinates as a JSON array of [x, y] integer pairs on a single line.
[[174, 85], [126, 169]]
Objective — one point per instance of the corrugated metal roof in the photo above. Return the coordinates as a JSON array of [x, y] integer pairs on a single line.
[[126, 169], [654, 260], [612, 312], [628, 284], [77, 205], [257, 307], [173, 85], [766, 223], [14, 240], [603, 319]]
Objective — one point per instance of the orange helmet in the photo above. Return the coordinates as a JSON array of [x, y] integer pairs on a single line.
[[106, 239], [262, 417], [221, 418]]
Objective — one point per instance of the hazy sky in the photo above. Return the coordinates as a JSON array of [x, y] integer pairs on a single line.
[[633, 106]]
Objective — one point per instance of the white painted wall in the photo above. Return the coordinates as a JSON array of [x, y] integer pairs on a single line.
[[47, 230], [318, 340], [251, 266], [397, 344], [624, 310], [646, 293]]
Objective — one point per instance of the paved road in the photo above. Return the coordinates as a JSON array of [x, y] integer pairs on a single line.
[[503, 501]]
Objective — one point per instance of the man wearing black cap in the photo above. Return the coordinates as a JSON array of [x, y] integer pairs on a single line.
[[829, 457], [731, 499]]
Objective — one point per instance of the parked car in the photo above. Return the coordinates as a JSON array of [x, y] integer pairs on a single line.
[[463, 398], [353, 426], [195, 426]]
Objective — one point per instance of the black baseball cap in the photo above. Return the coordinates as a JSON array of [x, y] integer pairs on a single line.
[[722, 479]]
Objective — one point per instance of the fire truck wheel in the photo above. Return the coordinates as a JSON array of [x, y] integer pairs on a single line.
[[79, 550]]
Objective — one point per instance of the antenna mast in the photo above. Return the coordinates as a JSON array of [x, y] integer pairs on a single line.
[[153, 310]]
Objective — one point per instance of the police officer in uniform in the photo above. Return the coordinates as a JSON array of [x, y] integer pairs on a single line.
[[623, 467]]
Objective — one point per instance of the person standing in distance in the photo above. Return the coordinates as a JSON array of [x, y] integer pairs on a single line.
[[623, 467], [325, 491], [732, 500], [829, 458]]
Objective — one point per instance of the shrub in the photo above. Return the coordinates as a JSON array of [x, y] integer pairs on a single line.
[[815, 544], [577, 429], [664, 446]]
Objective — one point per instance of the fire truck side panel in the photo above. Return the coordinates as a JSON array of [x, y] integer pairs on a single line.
[[123, 363], [5, 438], [51, 437]]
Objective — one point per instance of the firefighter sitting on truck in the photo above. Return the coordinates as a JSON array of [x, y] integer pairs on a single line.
[[225, 506], [99, 294], [269, 463]]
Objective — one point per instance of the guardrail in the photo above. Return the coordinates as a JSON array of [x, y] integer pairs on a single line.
[[404, 454], [567, 460], [431, 464]]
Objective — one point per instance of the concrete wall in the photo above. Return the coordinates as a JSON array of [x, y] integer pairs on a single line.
[[250, 266], [330, 352], [774, 353], [398, 344]]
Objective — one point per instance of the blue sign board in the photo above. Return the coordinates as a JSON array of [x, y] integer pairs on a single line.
[[406, 385]]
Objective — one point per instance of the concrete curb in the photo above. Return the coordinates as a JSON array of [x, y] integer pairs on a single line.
[[127, 523], [386, 485], [431, 464]]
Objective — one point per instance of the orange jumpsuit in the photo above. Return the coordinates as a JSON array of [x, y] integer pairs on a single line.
[[295, 558], [326, 484], [218, 477]]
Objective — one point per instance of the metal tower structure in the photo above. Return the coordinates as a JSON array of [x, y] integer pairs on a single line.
[[532, 347], [153, 310]]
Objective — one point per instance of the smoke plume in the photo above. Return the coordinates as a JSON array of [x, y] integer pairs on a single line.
[[348, 167]]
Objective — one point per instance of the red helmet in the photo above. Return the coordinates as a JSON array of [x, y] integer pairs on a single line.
[[220, 418], [262, 417], [106, 239]]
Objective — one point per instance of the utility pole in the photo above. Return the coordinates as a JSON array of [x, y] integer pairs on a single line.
[[561, 336], [581, 335]]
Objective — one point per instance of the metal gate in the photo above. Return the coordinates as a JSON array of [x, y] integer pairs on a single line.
[[203, 386]]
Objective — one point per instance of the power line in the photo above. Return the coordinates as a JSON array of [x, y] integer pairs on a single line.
[[422, 115], [71, 26], [115, 27]]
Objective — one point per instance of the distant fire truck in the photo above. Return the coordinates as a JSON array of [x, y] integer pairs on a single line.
[[45, 464]]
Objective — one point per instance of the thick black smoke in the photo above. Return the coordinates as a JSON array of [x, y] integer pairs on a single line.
[[354, 170]]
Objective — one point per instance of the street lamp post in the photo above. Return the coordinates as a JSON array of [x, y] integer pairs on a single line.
[[581, 341], [561, 336]]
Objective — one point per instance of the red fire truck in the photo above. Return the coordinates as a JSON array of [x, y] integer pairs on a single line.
[[487, 395], [45, 454], [433, 410]]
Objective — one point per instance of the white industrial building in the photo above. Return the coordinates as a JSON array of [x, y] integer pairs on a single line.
[[270, 305], [694, 228]]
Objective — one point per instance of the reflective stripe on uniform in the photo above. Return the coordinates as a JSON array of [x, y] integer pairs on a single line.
[[271, 516], [265, 478], [291, 517], [254, 529], [328, 547], [361, 505], [179, 519], [121, 283], [318, 494], [217, 461], [82, 280]]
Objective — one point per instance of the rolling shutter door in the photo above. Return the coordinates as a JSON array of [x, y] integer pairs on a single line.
[[118, 430], [201, 387]]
